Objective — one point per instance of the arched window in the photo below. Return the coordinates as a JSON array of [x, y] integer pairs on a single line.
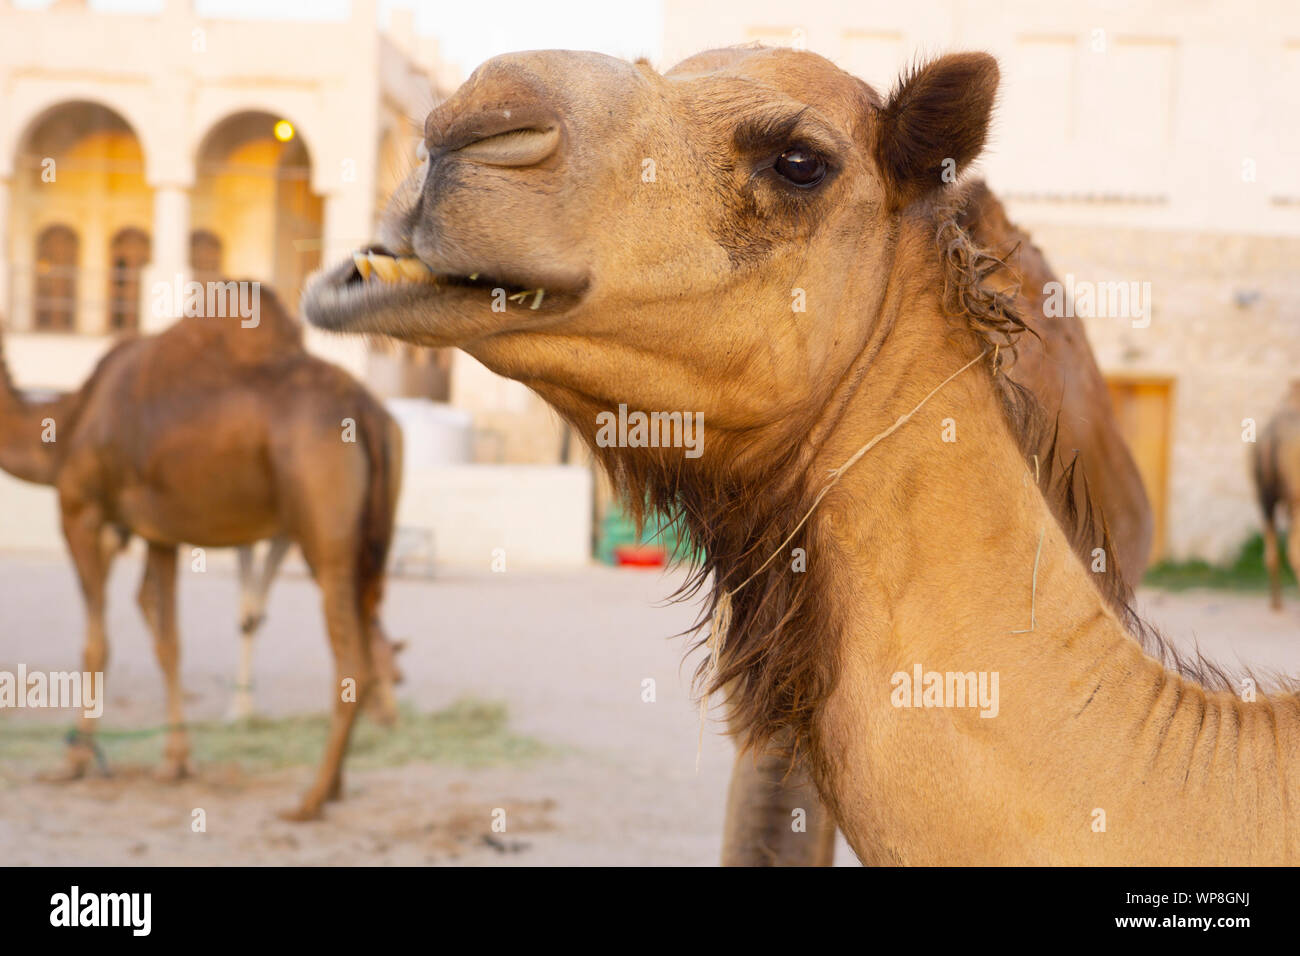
[[127, 255], [57, 255], [205, 255]]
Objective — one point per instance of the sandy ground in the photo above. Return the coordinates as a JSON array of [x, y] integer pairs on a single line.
[[567, 652]]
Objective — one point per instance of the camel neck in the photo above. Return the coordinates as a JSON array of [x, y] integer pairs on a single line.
[[984, 683]]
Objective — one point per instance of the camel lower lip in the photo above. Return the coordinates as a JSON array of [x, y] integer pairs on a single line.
[[331, 301], [344, 299]]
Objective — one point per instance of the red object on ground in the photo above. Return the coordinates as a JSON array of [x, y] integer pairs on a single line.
[[641, 555]]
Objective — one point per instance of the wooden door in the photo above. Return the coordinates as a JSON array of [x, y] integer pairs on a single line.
[[1144, 408]]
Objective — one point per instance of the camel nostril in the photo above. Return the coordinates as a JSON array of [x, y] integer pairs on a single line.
[[526, 146]]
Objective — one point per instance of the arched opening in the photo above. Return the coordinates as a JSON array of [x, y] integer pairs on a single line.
[[253, 195], [127, 256], [205, 255], [78, 163], [57, 255]]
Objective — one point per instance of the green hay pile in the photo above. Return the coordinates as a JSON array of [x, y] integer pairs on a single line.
[[469, 733]]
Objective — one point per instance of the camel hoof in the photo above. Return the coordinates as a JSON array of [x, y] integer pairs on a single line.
[[173, 770], [382, 705], [76, 765], [66, 774], [241, 708], [301, 814]]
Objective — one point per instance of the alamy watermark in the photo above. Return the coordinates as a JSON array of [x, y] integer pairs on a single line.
[[652, 430], [924, 688], [212, 300], [130, 910], [53, 689], [1098, 300]]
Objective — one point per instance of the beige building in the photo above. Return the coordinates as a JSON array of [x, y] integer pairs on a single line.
[[139, 148], [1153, 142], [135, 148]]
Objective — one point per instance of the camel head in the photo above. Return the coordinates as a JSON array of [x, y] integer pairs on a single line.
[[710, 240]]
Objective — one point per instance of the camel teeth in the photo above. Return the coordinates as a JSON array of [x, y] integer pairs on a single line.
[[523, 295], [363, 265], [385, 267], [473, 277], [414, 269]]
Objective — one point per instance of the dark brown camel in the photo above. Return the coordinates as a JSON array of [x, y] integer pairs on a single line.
[[218, 435]]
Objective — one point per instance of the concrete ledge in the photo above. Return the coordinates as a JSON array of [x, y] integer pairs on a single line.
[[540, 515]]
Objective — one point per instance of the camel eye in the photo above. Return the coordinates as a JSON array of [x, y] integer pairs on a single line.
[[800, 166]]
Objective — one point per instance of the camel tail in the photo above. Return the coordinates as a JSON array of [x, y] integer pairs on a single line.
[[383, 442]]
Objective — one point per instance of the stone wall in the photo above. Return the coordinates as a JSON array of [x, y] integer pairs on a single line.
[[1225, 329]]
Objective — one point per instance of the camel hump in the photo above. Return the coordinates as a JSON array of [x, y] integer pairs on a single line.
[[243, 319]]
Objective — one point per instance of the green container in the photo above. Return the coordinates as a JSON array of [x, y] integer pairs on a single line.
[[617, 529]]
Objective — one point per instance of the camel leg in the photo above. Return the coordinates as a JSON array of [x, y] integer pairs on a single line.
[[354, 677], [1292, 543], [157, 599], [83, 531], [763, 826], [241, 705], [1271, 561], [254, 587]]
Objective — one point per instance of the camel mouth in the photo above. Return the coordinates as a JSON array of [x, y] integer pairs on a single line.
[[377, 264], [378, 290]]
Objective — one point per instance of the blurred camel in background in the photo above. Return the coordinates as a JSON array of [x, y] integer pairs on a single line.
[[218, 435], [1276, 460]]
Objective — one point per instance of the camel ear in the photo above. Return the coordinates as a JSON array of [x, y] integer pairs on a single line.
[[934, 124]]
